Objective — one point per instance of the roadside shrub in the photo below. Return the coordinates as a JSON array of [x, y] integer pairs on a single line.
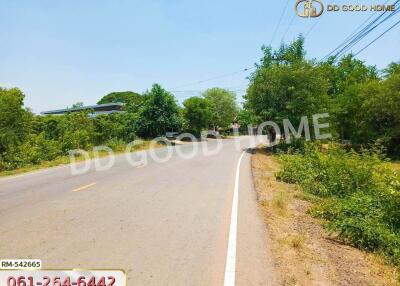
[[362, 221], [112, 126], [297, 145], [34, 150], [38, 149], [333, 173], [49, 125], [76, 131], [361, 194], [116, 144]]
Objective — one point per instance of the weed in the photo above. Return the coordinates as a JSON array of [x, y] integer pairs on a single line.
[[279, 202], [297, 241]]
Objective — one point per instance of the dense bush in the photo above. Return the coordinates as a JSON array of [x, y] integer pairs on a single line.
[[363, 103], [360, 194], [113, 126], [27, 139], [37, 149]]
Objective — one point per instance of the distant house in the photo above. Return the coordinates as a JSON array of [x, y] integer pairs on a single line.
[[93, 109]]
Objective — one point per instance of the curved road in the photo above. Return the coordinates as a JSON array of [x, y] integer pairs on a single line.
[[163, 223]]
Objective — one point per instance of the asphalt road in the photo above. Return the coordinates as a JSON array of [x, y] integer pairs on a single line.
[[163, 223]]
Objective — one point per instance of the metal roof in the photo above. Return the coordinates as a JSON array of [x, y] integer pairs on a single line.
[[116, 105]]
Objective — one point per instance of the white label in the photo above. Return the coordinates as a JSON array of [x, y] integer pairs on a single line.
[[20, 264]]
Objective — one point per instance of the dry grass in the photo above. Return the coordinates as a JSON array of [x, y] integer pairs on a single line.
[[279, 202], [297, 241], [305, 253]]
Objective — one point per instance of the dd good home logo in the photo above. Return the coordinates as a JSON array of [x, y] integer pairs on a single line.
[[315, 8], [361, 8], [309, 8]]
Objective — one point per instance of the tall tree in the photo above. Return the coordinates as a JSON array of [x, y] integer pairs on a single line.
[[286, 86], [370, 113], [346, 72], [345, 77], [245, 118], [392, 68], [120, 96], [223, 107], [160, 113], [15, 120], [197, 114]]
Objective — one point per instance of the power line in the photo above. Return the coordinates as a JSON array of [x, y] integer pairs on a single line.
[[236, 87], [288, 27], [377, 38], [187, 92], [312, 27], [239, 90], [214, 78], [359, 37], [245, 69], [364, 32], [358, 34], [279, 22], [353, 33], [315, 24], [350, 41]]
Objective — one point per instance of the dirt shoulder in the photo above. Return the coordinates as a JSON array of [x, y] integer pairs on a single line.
[[305, 253]]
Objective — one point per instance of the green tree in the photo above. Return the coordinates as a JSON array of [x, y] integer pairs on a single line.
[[119, 96], [345, 78], [197, 114], [223, 107], [392, 68], [285, 54], [79, 104], [160, 113], [347, 72], [372, 110], [288, 87], [19, 144], [15, 120], [244, 119]]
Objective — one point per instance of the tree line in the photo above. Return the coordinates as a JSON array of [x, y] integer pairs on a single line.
[[29, 139], [363, 104], [348, 181]]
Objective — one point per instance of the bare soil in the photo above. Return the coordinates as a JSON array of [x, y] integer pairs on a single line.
[[305, 253]]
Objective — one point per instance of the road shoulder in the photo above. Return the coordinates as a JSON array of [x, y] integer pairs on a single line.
[[255, 263], [305, 253]]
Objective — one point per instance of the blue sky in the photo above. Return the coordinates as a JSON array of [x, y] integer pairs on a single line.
[[62, 52]]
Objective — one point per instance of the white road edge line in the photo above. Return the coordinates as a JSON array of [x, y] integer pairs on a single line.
[[230, 266]]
